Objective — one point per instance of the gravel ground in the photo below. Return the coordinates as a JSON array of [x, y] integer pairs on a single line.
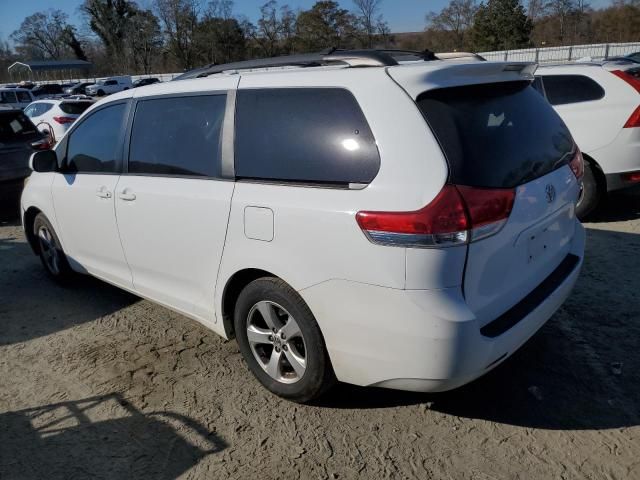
[[96, 383]]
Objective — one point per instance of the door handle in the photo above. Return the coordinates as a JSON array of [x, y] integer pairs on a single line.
[[127, 195], [102, 192]]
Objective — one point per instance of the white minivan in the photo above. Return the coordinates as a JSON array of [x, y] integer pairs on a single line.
[[401, 226], [107, 86]]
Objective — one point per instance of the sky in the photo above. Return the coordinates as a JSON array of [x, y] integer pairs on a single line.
[[402, 15]]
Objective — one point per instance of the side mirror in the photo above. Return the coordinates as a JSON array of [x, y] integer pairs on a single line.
[[44, 161]]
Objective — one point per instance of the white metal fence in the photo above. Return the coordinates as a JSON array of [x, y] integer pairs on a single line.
[[599, 51]]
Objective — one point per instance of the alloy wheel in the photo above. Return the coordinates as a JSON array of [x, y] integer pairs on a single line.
[[49, 250], [276, 342]]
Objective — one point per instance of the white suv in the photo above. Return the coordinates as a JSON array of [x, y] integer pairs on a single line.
[[404, 226], [600, 103], [55, 116]]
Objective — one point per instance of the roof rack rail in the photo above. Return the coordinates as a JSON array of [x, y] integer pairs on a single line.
[[352, 58]]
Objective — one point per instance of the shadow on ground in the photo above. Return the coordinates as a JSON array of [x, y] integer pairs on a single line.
[[32, 305], [618, 206], [100, 437]]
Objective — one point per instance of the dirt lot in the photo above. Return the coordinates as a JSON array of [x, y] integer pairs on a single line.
[[96, 383]]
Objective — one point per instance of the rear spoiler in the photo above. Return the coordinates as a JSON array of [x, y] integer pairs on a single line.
[[417, 78]]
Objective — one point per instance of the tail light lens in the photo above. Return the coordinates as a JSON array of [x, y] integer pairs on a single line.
[[627, 77], [458, 215], [43, 144], [577, 164], [634, 119], [63, 120]]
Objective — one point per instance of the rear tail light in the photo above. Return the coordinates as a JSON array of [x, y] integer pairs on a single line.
[[627, 77], [577, 164], [63, 120], [458, 215], [43, 144], [631, 177], [634, 119]]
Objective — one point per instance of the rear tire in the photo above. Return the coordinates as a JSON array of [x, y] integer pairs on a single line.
[[281, 341], [50, 251], [592, 192]]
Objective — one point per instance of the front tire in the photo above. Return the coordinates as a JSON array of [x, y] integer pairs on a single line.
[[50, 250], [592, 192], [281, 341]]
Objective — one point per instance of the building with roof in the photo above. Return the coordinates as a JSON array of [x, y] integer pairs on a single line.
[[48, 69]]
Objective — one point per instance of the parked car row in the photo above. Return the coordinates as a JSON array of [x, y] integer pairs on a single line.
[[29, 91]]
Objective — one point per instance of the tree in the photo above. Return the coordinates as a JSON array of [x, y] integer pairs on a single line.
[[371, 21], [110, 21], [501, 25], [180, 21], [43, 35], [220, 40], [325, 25], [145, 39], [457, 18]]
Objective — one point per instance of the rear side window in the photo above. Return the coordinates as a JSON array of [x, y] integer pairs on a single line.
[[23, 97], [496, 135], [14, 125], [307, 135], [95, 145], [7, 97], [74, 108], [178, 136], [564, 89]]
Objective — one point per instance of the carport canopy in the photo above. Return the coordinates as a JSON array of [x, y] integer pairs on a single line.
[[44, 65]]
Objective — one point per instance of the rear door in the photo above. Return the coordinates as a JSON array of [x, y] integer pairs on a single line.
[[173, 203], [506, 136]]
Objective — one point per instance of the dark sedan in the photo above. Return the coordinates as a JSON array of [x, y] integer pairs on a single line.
[[141, 82], [78, 88]]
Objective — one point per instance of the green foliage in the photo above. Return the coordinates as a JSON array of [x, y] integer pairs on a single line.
[[501, 25], [325, 25]]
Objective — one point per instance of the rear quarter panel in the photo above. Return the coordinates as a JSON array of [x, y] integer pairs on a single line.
[[316, 237]]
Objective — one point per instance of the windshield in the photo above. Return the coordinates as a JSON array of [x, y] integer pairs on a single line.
[[496, 135]]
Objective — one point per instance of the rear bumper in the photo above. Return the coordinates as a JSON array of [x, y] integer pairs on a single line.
[[620, 157], [421, 340]]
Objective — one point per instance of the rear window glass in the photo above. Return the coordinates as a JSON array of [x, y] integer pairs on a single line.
[[74, 108], [496, 135], [15, 125], [306, 135], [564, 89]]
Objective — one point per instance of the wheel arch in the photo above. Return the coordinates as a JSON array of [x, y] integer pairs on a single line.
[[599, 173], [234, 285], [28, 221]]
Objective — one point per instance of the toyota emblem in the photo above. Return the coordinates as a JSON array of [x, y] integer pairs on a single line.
[[550, 193]]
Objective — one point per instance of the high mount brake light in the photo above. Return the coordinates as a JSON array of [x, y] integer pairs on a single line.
[[458, 215]]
